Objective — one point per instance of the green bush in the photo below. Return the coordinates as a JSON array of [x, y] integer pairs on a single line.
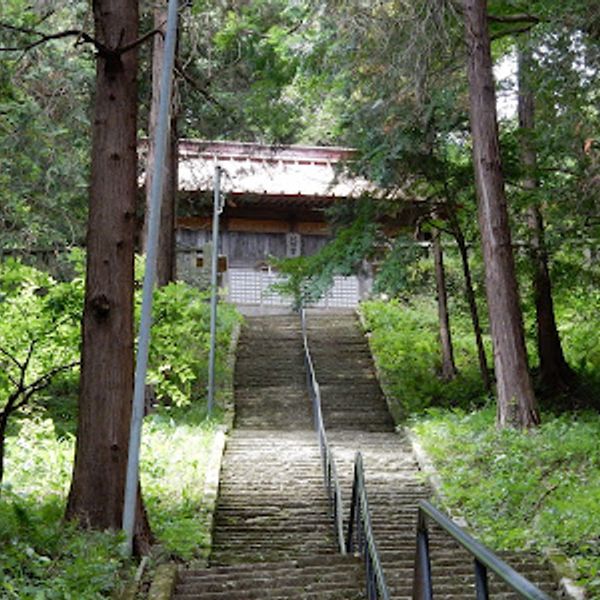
[[36, 308], [404, 340], [42, 556], [39, 329], [176, 445], [178, 359], [523, 490]]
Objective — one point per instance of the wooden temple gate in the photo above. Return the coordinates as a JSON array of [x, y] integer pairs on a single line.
[[275, 205]]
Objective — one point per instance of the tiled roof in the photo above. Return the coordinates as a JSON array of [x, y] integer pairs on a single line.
[[281, 171]]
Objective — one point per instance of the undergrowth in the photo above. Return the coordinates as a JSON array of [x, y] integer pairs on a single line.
[[44, 557], [175, 452], [41, 555], [403, 338], [537, 490]]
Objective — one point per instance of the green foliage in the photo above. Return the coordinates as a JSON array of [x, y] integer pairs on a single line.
[[310, 277], [523, 490], [176, 447], [39, 330], [44, 94], [402, 272], [576, 284], [178, 359], [41, 556], [35, 309], [403, 338]]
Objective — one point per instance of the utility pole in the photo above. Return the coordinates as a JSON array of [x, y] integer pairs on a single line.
[[133, 466], [217, 210]]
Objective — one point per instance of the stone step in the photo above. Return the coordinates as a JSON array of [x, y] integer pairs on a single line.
[[325, 576], [273, 534]]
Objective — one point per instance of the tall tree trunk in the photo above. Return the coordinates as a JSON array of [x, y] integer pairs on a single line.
[[3, 426], [165, 266], [472, 302], [106, 388], [448, 367], [516, 400], [555, 374]]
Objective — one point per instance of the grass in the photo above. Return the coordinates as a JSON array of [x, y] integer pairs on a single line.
[[175, 453], [537, 490], [42, 557], [403, 338]]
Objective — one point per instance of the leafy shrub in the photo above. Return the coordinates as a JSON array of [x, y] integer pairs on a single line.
[[33, 306], [404, 340], [537, 489], [41, 556], [308, 278], [175, 452], [39, 334], [178, 360]]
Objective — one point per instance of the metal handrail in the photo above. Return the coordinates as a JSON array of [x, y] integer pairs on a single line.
[[360, 535], [484, 559], [332, 482]]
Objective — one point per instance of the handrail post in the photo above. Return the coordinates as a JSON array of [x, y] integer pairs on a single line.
[[422, 587], [481, 581], [351, 520]]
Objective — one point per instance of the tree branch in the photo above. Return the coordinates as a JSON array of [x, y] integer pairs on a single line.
[[515, 18], [82, 38], [196, 86], [40, 384], [516, 31], [10, 357], [131, 46]]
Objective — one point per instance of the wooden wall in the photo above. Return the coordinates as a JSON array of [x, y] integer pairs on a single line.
[[248, 249]]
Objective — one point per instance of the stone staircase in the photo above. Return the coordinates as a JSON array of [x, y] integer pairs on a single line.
[[273, 534], [356, 418]]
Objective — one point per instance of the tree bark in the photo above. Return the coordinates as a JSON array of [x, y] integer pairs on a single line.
[[3, 426], [555, 373], [472, 302], [516, 400], [165, 266], [449, 370], [106, 387]]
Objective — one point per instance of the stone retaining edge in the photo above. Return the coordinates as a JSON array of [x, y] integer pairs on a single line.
[[215, 460], [163, 582], [427, 467]]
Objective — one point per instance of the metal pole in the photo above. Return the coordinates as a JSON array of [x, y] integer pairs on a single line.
[[213, 289], [166, 84]]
